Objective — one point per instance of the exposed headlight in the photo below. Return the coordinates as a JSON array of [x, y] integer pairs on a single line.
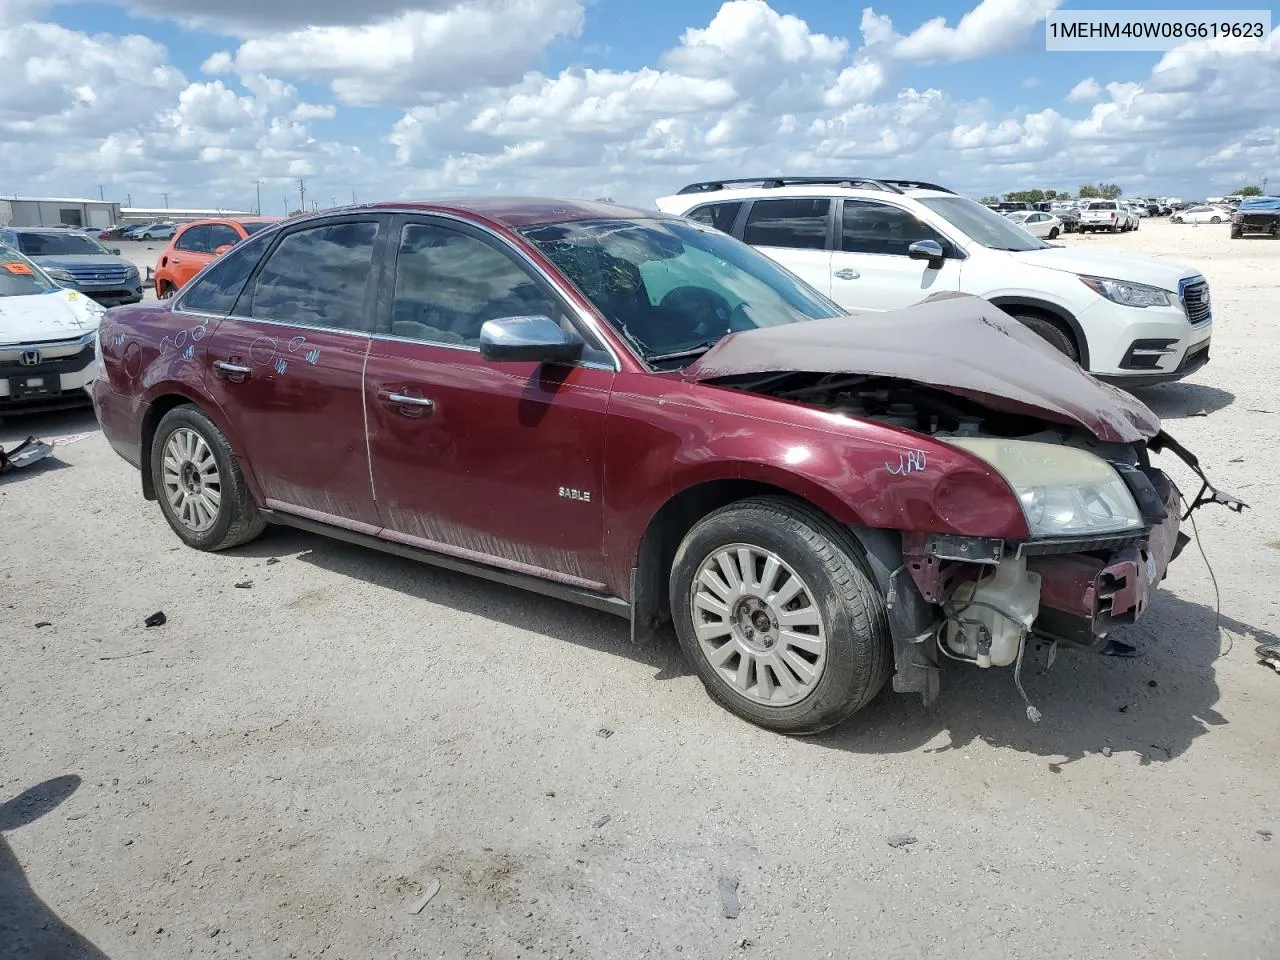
[[1064, 491], [1129, 294], [61, 276], [133, 272]]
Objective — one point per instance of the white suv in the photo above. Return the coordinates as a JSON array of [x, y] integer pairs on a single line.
[[885, 244]]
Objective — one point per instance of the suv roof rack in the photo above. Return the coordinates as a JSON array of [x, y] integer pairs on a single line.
[[866, 183]]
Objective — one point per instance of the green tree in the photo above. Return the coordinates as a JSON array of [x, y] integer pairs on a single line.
[[1252, 190], [989, 199], [1089, 192], [1026, 196], [1109, 191]]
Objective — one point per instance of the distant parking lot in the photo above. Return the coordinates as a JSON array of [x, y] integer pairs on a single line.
[[308, 744]]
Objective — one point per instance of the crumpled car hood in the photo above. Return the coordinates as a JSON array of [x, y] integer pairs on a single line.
[[951, 341]]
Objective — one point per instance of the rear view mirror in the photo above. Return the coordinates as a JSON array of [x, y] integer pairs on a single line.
[[537, 339], [219, 251], [930, 250]]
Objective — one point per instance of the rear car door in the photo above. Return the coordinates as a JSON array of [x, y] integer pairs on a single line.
[[287, 368], [496, 462], [871, 268], [796, 233]]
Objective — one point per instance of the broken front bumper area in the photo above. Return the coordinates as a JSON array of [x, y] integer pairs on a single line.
[[1085, 587]]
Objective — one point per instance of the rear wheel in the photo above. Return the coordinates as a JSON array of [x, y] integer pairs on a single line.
[[198, 482], [1215, 219], [777, 615], [1053, 233], [168, 291], [1050, 332], [1115, 228]]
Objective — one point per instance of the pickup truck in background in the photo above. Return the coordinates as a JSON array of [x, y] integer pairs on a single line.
[[1110, 215]]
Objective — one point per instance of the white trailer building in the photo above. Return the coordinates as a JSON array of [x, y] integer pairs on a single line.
[[53, 211]]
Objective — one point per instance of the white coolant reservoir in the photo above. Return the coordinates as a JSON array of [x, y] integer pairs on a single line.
[[978, 632]]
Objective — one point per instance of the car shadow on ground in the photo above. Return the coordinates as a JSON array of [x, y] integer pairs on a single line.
[[59, 423], [1174, 401], [1154, 705], [28, 927]]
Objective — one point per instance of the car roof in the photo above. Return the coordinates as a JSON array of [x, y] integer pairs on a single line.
[[792, 190], [519, 211]]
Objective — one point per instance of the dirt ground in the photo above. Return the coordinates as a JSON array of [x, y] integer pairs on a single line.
[[281, 770]]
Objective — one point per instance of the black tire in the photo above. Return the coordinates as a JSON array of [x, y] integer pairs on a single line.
[[1215, 219], [830, 563], [1115, 228], [1237, 233], [238, 519], [1053, 233], [1051, 332], [168, 292]]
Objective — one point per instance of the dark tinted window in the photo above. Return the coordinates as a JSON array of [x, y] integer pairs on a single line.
[[718, 215], [788, 223], [316, 277], [217, 288], [449, 283], [194, 239], [252, 228], [221, 235], [60, 244], [873, 227]]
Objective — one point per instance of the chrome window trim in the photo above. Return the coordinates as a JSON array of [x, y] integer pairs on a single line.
[[465, 348]]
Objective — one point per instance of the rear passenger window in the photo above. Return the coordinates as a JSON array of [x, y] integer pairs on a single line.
[[718, 215], [872, 227], [221, 235], [217, 289], [317, 278], [801, 224], [194, 240]]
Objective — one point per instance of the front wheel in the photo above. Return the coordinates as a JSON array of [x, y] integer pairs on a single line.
[[198, 482], [777, 614]]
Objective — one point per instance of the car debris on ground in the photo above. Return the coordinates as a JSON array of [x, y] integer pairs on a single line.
[[26, 453]]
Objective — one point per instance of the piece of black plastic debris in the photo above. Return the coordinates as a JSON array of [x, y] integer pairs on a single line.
[[157, 619], [1106, 751], [604, 733], [244, 585], [603, 820], [431, 889], [901, 840], [1117, 648], [743, 943], [44, 623], [1152, 683], [271, 560], [1265, 834], [730, 906], [1125, 708]]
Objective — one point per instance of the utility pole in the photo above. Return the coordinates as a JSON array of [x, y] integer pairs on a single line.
[[258, 185], [333, 202], [166, 200], [128, 199], [1264, 186], [101, 195], [302, 194], [353, 198]]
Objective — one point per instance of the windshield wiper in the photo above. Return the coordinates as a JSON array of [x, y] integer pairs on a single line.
[[697, 351]]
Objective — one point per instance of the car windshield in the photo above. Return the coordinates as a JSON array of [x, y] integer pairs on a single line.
[[59, 244], [982, 225], [674, 288], [19, 277]]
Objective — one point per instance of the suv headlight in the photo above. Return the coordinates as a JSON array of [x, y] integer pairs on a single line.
[[1129, 294], [61, 276], [1064, 491]]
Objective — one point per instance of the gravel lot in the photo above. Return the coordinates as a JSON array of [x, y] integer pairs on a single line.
[[281, 770]]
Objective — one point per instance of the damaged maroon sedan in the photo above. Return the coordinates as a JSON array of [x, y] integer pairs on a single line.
[[644, 415]]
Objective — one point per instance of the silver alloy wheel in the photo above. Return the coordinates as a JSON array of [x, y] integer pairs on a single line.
[[758, 625], [192, 484]]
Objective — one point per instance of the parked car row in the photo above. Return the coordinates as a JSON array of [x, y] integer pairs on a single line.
[[78, 261], [817, 478], [139, 231]]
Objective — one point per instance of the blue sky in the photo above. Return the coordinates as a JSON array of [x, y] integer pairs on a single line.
[[393, 98]]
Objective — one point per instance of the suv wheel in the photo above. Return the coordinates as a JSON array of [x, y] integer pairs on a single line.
[[777, 615], [1051, 332], [198, 482]]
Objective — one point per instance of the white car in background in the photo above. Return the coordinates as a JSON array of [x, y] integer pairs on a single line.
[[1037, 223], [1202, 214], [48, 339], [873, 245]]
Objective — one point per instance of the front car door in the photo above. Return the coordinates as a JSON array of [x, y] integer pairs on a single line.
[[871, 269], [796, 233], [191, 253], [496, 462], [287, 367]]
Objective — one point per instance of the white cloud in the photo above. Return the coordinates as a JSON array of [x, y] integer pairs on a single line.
[[1087, 90], [993, 26], [314, 111], [418, 53]]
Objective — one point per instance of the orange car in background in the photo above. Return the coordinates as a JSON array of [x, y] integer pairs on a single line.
[[198, 243]]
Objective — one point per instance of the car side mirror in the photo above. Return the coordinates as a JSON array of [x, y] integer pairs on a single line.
[[539, 339], [116, 251], [219, 251], [930, 250]]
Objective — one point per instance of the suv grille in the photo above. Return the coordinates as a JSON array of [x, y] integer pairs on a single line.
[[106, 276], [1195, 300]]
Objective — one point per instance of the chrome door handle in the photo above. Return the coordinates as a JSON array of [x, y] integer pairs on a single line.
[[234, 369], [847, 274], [411, 401]]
